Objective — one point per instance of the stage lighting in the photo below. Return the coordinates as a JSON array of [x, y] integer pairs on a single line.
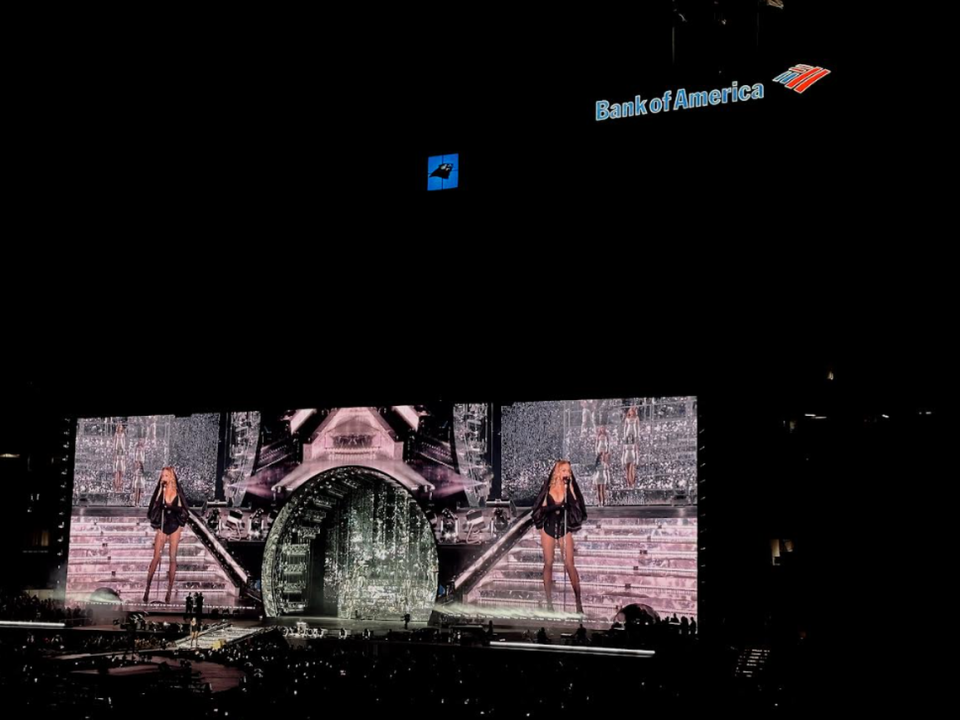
[[500, 522], [235, 520], [474, 522]]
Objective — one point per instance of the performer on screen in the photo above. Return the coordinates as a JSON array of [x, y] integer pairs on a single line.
[[138, 483], [631, 445], [559, 512], [602, 466], [588, 420], [168, 514], [119, 457]]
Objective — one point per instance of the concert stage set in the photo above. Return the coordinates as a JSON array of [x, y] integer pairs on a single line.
[[407, 523]]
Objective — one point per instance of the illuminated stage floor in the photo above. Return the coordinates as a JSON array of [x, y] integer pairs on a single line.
[[515, 634]]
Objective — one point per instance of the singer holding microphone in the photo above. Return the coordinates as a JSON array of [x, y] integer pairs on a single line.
[[168, 513], [559, 512]]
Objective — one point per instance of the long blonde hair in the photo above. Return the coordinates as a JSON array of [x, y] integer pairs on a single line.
[[176, 480], [556, 470]]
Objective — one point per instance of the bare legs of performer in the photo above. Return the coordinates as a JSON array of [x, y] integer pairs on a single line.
[[566, 550], [172, 573], [158, 544]]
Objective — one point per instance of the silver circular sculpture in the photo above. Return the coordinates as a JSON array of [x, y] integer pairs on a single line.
[[380, 554]]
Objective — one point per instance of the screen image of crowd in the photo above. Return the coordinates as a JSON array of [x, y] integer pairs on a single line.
[[642, 449], [117, 460]]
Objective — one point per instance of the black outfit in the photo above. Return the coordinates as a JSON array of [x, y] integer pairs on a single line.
[[172, 519], [550, 516], [168, 517], [554, 517]]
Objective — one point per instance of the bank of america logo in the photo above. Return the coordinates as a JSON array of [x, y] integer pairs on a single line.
[[801, 78]]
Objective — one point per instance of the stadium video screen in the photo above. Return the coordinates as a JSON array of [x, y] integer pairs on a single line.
[[567, 511]]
